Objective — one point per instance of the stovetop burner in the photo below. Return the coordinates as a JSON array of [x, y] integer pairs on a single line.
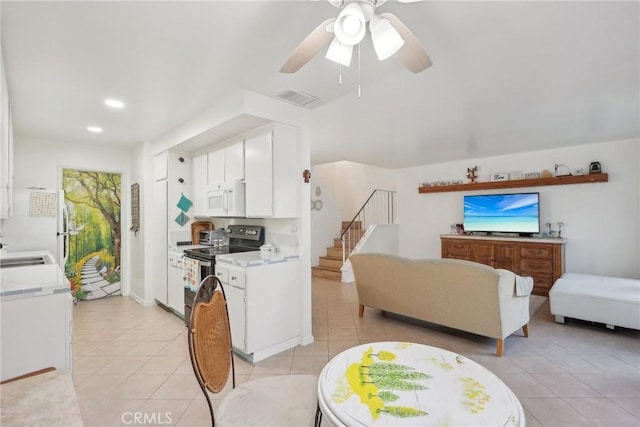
[[212, 251], [242, 238]]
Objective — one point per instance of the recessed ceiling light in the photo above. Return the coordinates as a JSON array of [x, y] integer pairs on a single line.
[[94, 129], [114, 103]]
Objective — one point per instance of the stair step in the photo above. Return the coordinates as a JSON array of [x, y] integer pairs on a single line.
[[335, 252], [357, 233], [334, 262], [356, 225], [326, 273], [337, 243]]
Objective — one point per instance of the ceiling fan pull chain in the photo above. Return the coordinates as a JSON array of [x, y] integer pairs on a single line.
[[359, 93]]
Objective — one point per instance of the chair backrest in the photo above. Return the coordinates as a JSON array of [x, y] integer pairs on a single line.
[[210, 337]]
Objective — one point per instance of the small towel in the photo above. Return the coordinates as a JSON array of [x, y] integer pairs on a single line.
[[191, 273], [184, 203], [182, 218], [524, 286]]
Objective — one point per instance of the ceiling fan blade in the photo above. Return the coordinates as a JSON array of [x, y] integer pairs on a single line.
[[381, 2], [310, 46], [411, 55]]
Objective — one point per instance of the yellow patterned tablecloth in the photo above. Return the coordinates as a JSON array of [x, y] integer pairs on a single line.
[[407, 384]]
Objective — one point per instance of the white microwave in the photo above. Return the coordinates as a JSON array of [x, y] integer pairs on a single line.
[[226, 199]]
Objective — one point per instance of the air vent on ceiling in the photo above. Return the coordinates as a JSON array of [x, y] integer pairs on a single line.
[[298, 98]]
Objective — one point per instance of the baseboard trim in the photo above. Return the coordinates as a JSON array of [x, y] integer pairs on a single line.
[[144, 303]]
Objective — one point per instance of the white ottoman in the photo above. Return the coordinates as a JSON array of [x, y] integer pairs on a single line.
[[613, 301]]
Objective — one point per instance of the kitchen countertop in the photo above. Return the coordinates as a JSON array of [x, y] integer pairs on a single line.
[[47, 399], [31, 281], [253, 259], [182, 248]]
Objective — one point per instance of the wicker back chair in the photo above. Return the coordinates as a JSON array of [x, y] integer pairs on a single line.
[[282, 401]]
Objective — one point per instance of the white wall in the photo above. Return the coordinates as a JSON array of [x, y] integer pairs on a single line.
[[325, 223], [352, 183], [602, 221], [379, 238], [38, 163], [137, 288]]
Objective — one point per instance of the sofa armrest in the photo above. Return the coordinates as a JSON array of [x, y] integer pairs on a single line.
[[514, 309]]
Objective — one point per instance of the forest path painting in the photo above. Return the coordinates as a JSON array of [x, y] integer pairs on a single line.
[[93, 200]]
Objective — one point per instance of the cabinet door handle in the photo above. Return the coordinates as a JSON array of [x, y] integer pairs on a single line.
[[234, 278], [534, 252]]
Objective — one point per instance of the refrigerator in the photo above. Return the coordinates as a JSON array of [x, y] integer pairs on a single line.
[[62, 230]]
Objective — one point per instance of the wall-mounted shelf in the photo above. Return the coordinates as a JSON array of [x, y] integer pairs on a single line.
[[535, 182]]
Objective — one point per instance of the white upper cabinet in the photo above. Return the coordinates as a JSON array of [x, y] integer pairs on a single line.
[[234, 161], [6, 148], [258, 162], [273, 173], [215, 167], [287, 172], [226, 164]]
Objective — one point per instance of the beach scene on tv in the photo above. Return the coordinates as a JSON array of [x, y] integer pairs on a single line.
[[510, 213]]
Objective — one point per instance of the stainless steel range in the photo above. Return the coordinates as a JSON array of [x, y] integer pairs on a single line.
[[240, 238]]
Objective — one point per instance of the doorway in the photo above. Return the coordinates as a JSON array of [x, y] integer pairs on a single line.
[[93, 201]]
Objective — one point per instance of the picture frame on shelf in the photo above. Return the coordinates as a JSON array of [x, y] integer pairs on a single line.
[[594, 167], [499, 176]]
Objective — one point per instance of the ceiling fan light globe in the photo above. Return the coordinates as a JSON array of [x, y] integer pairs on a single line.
[[350, 26], [339, 53], [386, 39]]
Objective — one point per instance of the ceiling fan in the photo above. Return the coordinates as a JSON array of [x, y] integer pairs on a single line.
[[388, 34]]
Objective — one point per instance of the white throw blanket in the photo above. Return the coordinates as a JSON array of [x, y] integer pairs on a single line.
[[524, 286]]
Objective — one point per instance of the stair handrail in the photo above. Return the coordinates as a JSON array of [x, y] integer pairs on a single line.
[[355, 217], [390, 218]]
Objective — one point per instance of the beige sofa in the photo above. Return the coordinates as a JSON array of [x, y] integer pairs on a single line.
[[458, 294]]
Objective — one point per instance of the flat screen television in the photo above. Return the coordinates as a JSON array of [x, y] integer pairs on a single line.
[[502, 213]]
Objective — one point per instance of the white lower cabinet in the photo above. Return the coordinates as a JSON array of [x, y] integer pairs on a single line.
[[175, 284], [262, 317], [37, 333], [159, 250]]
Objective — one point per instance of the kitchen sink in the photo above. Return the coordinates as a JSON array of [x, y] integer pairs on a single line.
[[25, 261]]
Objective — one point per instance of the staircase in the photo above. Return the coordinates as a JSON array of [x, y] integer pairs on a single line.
[[330, 265]]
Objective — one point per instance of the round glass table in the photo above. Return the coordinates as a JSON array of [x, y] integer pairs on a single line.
[[408, 384]]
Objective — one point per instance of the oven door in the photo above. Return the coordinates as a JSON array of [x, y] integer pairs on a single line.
[[195, 271]]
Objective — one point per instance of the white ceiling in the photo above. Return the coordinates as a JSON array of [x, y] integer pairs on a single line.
[[507, 76]]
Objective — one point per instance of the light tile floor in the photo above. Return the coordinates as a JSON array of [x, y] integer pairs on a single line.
[[133, 361]]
